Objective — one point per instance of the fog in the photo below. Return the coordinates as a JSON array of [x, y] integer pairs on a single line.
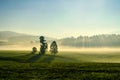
[[15, 47], [103, 49], [60, 48]]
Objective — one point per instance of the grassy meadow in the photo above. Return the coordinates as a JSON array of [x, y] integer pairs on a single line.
[[84, 65]]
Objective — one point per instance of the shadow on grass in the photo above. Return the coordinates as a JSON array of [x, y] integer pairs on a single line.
[[34, 58], [9, 59], [16, 58], [48, 58], [28, 58]]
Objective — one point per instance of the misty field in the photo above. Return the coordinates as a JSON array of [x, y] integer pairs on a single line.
[[84, 65]]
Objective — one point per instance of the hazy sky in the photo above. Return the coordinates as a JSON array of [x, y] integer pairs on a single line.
[[60, 18]]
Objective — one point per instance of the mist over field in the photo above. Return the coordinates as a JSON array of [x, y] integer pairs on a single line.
[[103, 48], [60, 48], [17, 41]]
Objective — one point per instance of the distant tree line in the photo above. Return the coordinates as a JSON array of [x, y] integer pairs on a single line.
[[104, 40]]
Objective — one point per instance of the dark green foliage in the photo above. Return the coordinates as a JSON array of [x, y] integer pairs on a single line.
[[53, 48], [43, 45], [34, 50]]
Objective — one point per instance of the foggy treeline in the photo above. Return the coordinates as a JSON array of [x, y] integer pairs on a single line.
[[104, 40], [112, 40]]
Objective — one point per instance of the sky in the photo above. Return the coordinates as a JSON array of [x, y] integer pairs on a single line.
[[60, 18]]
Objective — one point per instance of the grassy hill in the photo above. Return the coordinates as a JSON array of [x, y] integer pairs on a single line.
[[4, 35], [63, 66], [9, 37], [99, 57]]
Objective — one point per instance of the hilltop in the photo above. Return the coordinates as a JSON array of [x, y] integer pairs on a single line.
[[9, 37]]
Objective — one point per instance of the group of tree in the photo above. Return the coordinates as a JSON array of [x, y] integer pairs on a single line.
[[104, 40], [44, 47]]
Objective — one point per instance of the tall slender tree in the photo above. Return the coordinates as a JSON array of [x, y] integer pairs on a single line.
[[43, 45]]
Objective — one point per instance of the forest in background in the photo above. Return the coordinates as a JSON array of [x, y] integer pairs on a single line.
[[104, 40]]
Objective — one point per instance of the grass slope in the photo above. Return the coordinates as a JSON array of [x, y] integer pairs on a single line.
[[65, 66]]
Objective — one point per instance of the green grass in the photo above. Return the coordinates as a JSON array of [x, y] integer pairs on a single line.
[[64, 66], [104, 57], [10, 53]]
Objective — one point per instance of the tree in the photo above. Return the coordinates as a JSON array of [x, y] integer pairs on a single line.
[[43, 45], [34, 50], [53, 48], [103, 40]]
